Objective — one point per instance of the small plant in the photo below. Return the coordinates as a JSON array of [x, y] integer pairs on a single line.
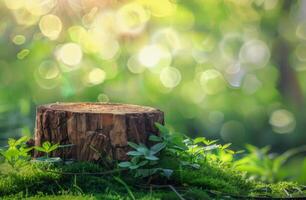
[[17, 153], [262, 165], [189, 153], [145, 159], [47, 148]]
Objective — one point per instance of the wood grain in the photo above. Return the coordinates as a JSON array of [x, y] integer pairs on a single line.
[[104, 126]]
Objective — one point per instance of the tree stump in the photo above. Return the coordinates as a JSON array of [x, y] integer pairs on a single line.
[[92, 127]]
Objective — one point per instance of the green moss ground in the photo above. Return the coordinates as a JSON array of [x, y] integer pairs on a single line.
[[211, 180]]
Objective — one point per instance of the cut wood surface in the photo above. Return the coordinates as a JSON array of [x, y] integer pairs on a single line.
[[95, 128]]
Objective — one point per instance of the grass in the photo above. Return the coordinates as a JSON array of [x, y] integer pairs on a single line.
[[196, 173], [210, 181]]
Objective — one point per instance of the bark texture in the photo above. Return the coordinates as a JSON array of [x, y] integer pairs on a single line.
[[95, 128]]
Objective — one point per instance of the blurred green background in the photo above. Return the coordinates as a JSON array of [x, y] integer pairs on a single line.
[[233, 70]]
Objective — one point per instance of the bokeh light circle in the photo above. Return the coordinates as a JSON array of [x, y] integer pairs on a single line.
[[300, 52], [134, 66], [48, 70], [70, 54], [255, 52], [96, 76], [170, 77], [50, 26], [169, 38], [212, 81], [19, 39], [154, 55], [301, 30], [15, 4], [282, 121], [40, 7], [132, 18]]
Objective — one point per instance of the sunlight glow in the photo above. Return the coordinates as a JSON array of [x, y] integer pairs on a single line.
[[300, 52], [168, 38], [96, 76], [24, 17], [40, 7], [134, 66], [14, 5], [19, 39], [170, 77], [282, 121], [160, 8], [212, 81], [132, 18], [301, 30], [71, 54], [153, 55], [255, 52], [48, 70], [50, 26]]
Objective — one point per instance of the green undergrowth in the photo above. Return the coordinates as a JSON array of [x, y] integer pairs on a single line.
[[172, 167], [45, 182]]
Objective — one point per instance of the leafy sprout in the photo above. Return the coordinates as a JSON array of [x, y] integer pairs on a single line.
[[191, 152], [47, 148], [17, 153]]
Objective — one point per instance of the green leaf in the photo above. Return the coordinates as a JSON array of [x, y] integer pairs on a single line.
[[200, 140], [143, 163], [135, 159], [158, 147], [162, 129], [40, 149], [46, 145], [143, 149], [22, 140], [134, 153], [155, 138], [167, 172], [53, 147], [151, 157], [11, 142], [134, 167], [196, 166], [226, 145], [125, 164], [133, 145], [211, 147]]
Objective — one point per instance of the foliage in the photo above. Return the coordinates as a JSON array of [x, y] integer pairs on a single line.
[[195, 169], [144, 160], [16, 153], [264, 166], [47, 148]]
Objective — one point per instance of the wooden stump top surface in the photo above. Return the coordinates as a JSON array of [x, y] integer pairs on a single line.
[[112, 108]]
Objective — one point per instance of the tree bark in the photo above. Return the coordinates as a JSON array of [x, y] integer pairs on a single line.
[[93, 127]]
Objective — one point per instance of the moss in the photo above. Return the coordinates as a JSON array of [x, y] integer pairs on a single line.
[[36, 182], [29, 178], [280, 189], [214, 178], [211, 176]]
